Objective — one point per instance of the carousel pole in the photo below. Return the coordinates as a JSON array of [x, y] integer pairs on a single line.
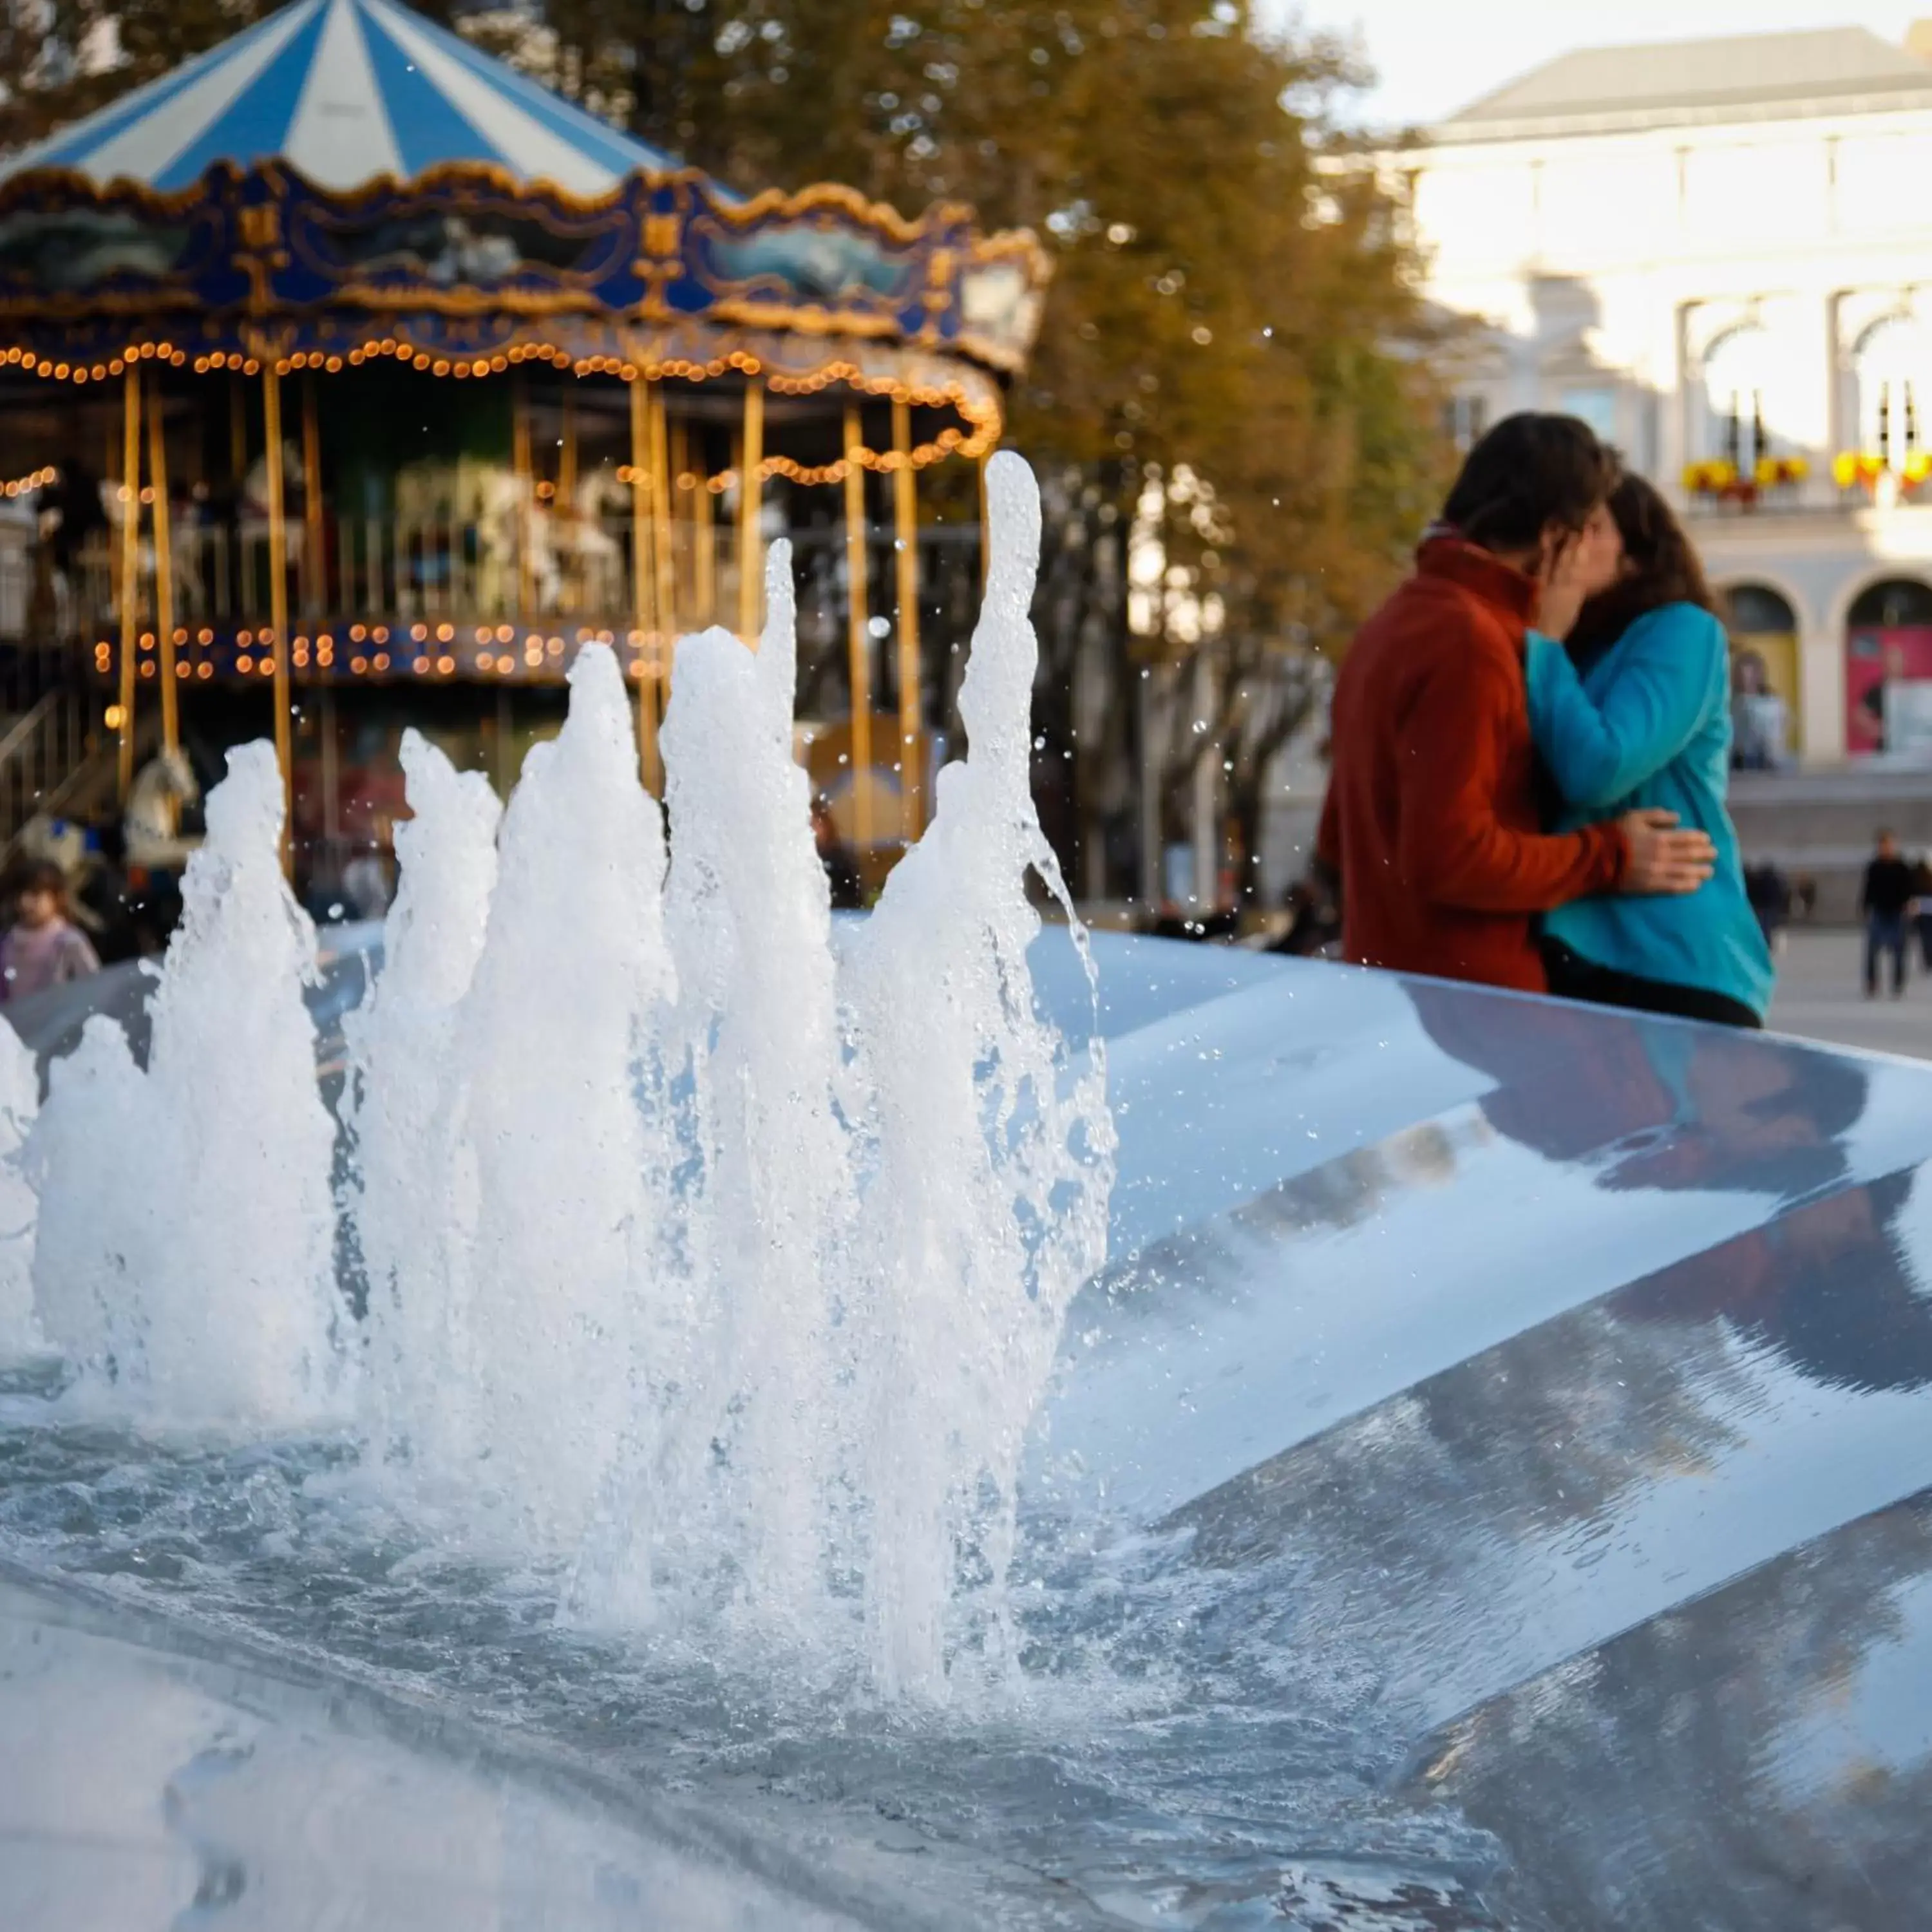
[[677, 436], [566, 456], [642, 579], [164, 572], [565, 499], [751, 501], [519, 462], [278, 601], [130, 566], [905, 519], [663, 559], [315, 589], [859, 641], [704, 549], [985, 552]]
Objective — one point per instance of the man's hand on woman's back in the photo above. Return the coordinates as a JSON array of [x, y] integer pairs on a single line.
[[1662, 859]]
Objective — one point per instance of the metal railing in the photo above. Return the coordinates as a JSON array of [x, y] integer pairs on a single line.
[[534, 569], [45, 755], [434, 567]]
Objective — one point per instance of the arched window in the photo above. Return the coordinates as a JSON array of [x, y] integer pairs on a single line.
[[1894, 375], [1755, 610], [1739, 395], [1896, 604]]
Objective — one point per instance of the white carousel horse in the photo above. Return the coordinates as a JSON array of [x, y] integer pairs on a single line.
[[591, 554], [149, 826]]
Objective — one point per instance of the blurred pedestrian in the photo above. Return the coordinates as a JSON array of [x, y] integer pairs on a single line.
[[1883, 899], [1636, 713], [1314, 922], [1770, 894], [1921, 908], [1431, 822], [43, 947]]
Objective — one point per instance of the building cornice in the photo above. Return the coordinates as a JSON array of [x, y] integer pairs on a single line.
[[1634, 119]]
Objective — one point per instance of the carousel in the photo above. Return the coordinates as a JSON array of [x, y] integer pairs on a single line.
[[366, 380]]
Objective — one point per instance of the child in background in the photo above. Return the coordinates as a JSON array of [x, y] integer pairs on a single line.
[[43, 947]]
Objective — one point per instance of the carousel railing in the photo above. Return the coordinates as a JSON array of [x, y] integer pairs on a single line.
[[435, 565], [441, 567], [42, 755]]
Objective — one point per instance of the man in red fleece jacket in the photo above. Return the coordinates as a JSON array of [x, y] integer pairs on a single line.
[[1431, 822]]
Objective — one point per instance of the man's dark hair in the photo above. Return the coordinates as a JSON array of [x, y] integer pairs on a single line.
[[1660, 567], [1532, 469]]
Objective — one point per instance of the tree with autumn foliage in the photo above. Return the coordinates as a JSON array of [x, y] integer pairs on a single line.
[[1231, 334]]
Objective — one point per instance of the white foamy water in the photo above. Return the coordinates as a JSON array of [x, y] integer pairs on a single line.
[[415, 1186], [987, 1157], [723, 1278], [183, 1254], [20, 1102]]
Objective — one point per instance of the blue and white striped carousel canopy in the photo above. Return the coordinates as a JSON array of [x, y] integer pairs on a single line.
[[347, 91]]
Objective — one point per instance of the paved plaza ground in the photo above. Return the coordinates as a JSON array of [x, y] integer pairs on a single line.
[[1821, 996]]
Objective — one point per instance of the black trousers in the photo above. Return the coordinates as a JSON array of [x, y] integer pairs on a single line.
[[1573, 977]]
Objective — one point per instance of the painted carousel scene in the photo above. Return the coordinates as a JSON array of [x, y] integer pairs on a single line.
[[882, 1045]]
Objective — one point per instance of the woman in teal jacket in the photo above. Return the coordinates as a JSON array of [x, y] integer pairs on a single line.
[[1636, 712]]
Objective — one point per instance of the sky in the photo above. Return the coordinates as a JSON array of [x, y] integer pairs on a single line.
[[1436, 55]]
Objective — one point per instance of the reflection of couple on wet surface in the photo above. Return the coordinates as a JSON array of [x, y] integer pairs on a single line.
[[1531, 743], [1832, 1282]]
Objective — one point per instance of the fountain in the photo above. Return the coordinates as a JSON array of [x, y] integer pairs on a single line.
[[722, 1273], [183, 1248], [927, 1423]]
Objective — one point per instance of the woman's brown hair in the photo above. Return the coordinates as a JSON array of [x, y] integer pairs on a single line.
[[1660, 566]]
